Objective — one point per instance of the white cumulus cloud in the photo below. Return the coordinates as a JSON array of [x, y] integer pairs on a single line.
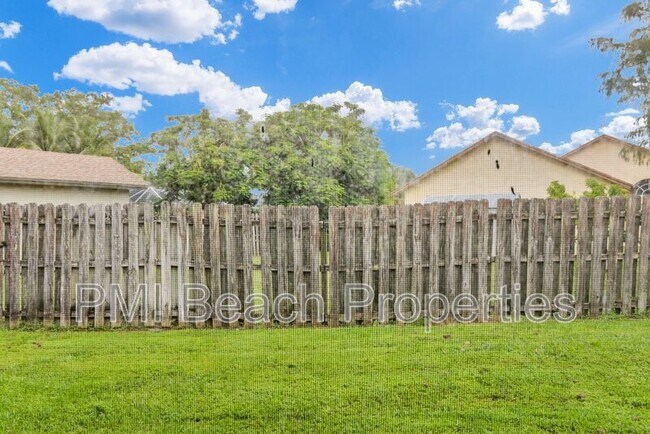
[[129, 106], [560, 7], [169, 21], [263, 7], [530, 14], [9, 30], [578, 138], [524, 126], [527, 15], [625, 112], [155, 71], [620, 125], [401, 4], [4, 65], [471, 123], [399, 115]]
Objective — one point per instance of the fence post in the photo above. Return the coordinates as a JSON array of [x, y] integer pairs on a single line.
[[596, 297], [314, 259], [150, 264], [165, 266], [402, 214], [117, 253], [281, 236], [615, 246], [247, 254], [631, 249], [583, 250], [567, 237], [333, 220], [265, 251], [367, 224], [133, 266], [517, 237], [198, 241], [644, 256], [483, 257], [298, 278], [384, 257], [231, 253], [84, 262], [49, 256], [32, 250], [99, 259], [3, 249], [13, 257], [548, 278], [215, 257], [502, 234]]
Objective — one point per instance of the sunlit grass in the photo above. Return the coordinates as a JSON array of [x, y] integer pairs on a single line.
[[589, 376]]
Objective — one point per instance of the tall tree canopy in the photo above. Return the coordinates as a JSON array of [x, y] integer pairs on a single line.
[[205, 160], [630, 79], [308, 155], [68, 121], [311, 155]]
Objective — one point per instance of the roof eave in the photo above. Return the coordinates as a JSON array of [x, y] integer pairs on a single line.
[[79, 184]]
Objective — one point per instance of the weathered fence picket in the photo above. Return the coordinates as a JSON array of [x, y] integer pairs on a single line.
[[3, 250], [596, 250]]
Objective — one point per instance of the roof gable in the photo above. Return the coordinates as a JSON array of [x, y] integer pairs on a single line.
[[22, 166], [600, 139], [522, 145]]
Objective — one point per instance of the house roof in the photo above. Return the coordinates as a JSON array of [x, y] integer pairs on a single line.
[[526, 147], [22, 166], [600, 139]]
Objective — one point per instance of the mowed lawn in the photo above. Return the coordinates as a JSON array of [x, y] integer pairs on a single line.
[[589, 376]]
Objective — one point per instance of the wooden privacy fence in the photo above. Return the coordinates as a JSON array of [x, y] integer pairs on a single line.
[[597, 250]]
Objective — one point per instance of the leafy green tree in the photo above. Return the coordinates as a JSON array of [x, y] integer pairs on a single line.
[[308, 155], [557, 190], [617, 190], [311, 155], [11, 137], [403, 175], [48, 131], [69, 121], [629, 81], [595, 188], [205, 160]]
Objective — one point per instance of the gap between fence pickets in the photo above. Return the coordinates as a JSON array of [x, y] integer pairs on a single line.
[[596, 250]]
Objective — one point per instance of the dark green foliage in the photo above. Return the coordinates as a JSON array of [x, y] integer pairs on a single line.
[[70, 121], [205, 160], [308, 155]]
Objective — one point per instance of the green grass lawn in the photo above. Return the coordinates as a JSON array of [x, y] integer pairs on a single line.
[[589, 376]]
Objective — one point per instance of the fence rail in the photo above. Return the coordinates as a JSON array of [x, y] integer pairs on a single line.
[[597, 250]]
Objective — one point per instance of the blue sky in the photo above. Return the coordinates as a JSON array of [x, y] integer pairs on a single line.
[[433, 75]]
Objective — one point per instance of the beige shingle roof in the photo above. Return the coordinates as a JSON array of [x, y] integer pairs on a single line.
[[23, 166]]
